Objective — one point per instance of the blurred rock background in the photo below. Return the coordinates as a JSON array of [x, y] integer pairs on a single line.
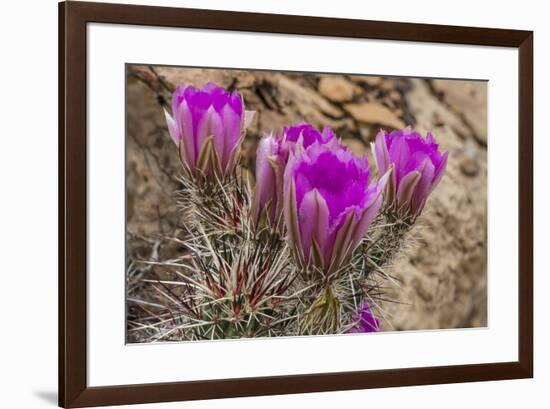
[[443, 274]]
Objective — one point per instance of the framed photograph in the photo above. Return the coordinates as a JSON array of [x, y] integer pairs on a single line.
[[254, 204]]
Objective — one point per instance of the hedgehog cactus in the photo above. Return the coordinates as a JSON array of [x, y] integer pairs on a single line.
[[301, 251]]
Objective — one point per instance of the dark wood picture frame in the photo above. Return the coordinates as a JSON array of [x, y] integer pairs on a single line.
[[73, 388]]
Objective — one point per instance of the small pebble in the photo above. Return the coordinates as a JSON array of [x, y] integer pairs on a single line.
[[469, 166]]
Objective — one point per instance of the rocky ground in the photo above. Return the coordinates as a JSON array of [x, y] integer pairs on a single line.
[[443, 275]]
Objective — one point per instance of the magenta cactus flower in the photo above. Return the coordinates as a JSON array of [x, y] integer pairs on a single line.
[[329, 203], [271, 159], [307, 133], [208, 125], [365, 320], [417, 164]]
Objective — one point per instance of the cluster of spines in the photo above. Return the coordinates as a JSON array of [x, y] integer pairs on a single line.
[[239, 280]]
